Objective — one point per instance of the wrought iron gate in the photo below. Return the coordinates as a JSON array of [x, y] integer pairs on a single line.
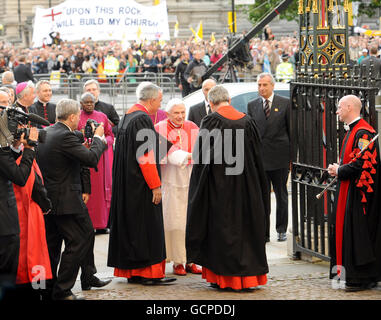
[[323, 77]]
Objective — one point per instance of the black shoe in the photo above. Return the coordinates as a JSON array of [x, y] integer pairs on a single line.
[[102, 231], [135, 279], [157, 281], [282, 236], [354, 287], [94, 282], [214, 285], [71, 297]]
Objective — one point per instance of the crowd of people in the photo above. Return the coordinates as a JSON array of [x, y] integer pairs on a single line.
[[115, 57]]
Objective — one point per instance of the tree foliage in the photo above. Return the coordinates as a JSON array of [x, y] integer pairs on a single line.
[[261, 7], [369, 8]]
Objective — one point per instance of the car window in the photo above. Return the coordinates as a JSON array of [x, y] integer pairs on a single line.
[[240, 102], [283, 93]]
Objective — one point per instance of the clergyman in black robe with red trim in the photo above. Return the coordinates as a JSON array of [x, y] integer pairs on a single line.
[[227, 202], [355, 235]]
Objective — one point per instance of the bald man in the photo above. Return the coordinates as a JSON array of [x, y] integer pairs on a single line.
[[355, 238], [200, 110]]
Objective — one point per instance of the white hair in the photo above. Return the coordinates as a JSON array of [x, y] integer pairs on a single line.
[[173, 102], [140, 87]]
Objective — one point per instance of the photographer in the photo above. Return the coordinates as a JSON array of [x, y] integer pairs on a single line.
[[10, 172], [60, 159]]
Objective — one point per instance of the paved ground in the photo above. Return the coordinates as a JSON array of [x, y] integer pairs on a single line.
[[287, 280]]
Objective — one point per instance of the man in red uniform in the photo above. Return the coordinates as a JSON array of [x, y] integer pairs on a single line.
[[227, 202], [137, 245], [356, 235]]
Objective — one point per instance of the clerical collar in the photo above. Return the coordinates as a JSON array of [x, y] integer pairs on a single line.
[[18, 104], [43, 103], [351, 124], [176, 126]]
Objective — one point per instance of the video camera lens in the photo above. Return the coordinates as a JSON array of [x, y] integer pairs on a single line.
[[89, 131]]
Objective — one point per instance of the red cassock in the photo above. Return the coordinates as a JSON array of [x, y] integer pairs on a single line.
[[101, 179], [34, 262]]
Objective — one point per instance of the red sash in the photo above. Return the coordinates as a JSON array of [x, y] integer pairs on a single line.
[[344, 187]]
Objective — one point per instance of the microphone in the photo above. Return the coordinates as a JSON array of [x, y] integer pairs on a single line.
[[37, 119], [32, 117]]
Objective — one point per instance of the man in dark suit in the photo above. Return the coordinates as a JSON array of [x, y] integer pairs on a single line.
[[271, 113], [10, 173], [42, 107], [181, 81], [93, 87], [60, 159], [195, 70], [23, 72], [376, 62], [200, 110]]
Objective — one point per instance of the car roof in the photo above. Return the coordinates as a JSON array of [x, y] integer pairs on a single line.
[[234, 89]]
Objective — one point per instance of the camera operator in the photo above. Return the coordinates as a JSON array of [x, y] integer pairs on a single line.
[[60, 159], [10, 173]]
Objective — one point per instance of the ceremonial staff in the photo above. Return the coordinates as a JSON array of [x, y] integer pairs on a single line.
[[318, 196]]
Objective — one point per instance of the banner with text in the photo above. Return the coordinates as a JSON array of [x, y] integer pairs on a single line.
[[101, 20]]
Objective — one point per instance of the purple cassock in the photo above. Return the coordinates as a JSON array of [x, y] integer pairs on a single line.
[[158, 116], [101, 181]]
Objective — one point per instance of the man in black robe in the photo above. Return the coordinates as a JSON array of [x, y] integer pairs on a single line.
[[225, 231], [43, 107], [355, 236], [137, 243]]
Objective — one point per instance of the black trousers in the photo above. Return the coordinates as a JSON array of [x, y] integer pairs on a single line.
[[278, 179], [186, 89], [76, 231], [9, 260]]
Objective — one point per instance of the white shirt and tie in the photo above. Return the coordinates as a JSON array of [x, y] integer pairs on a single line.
[[207, 107], [270, 102]]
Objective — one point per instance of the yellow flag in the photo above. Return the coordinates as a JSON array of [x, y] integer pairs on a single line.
[[199, 31], [156, 2], [139, 32], [212, 39], [176, 31]]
